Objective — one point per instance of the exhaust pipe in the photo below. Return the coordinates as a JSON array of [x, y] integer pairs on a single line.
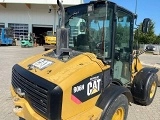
[[62, 12], [62, 35]]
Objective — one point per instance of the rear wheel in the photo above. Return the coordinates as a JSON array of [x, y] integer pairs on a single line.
[[118, 110], [150, 91]]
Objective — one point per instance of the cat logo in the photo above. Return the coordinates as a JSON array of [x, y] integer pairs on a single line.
[[93, 86]]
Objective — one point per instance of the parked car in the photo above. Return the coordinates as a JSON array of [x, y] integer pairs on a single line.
[[150, 48]]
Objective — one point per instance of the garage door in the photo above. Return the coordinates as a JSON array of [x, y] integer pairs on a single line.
[[45, 26], [19, 29]]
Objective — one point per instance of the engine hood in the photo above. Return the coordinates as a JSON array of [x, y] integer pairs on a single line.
[[57, 71]]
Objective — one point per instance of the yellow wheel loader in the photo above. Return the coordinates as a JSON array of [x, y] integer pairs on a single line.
[[50, 40], [93, 75]]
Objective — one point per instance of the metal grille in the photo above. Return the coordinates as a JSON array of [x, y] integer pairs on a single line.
[[36, 95]]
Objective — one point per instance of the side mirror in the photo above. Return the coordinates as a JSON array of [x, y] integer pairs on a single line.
[[145, 25]]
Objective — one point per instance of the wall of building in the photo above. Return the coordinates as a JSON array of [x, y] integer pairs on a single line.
[[23, 14], [19, 13]]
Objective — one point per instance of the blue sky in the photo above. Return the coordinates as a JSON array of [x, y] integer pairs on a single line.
[[145, 9]]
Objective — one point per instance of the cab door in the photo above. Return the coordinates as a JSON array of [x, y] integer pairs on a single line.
[[123, 46]]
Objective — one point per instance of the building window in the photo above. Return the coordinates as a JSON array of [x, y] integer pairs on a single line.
[[19, 29], [2, 25]]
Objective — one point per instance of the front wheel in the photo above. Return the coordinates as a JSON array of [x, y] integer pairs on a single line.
[[118, 110]]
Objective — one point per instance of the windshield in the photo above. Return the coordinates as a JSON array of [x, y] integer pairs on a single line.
[[90, 31]]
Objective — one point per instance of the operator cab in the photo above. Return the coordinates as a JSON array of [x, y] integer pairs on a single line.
[[104, 29]]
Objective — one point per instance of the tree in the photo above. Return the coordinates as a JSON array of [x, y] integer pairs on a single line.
[[146, 38], [157, 41]]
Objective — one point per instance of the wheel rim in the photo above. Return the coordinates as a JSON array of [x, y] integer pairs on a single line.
[[119, 114], [153, 89]]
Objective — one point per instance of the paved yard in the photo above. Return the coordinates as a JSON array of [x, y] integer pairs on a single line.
[[150, 59], [11, 55]]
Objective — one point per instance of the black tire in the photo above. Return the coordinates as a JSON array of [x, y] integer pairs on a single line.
[[151, 89], [21, 118], [118, 105]]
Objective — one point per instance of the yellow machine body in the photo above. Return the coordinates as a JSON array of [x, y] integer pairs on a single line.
[[91, 75], [65, 75]]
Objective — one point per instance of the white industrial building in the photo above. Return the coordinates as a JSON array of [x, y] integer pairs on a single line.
[[26, 16]]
